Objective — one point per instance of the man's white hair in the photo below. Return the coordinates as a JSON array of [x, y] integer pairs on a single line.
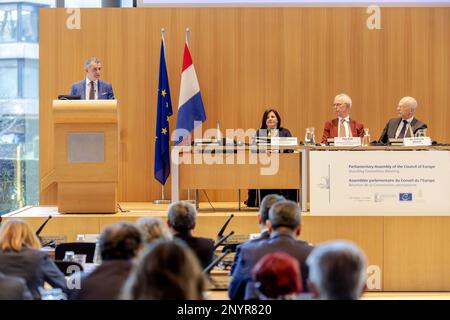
[[409, 101], [345, 98], [338, 270]]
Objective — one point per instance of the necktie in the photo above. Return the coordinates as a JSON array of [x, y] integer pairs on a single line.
[[342, 128], [92, 91], [403, 131]]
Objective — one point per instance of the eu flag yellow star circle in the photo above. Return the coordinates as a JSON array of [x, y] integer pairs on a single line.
[[164, 131], [163, 92]]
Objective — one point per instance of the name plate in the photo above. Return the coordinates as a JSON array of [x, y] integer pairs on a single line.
[[347, 141], [284, 141], [417, 141]]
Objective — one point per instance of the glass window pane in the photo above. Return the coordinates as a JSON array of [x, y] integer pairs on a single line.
[[8, 23], [83, 4], [8, 78], [29, 32], [30, 78]]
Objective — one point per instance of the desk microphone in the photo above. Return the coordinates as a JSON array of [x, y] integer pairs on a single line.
[[224, 226], [219, 242], [39, 230], [215, 262]]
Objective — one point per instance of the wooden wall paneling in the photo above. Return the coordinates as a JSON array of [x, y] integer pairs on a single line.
[[247, 59]]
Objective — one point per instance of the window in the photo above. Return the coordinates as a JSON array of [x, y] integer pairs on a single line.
[[8, 23], [9, 78]]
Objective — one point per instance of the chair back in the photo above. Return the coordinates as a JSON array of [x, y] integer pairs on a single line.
[[87, 248]]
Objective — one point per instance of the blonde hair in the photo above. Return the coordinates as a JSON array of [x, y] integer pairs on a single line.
[[153, 228], [17, 234]]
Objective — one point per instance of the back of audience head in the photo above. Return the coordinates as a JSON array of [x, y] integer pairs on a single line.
[[166, 269], [277, 276], [181, 216], [337, 271], [265, 206], [153, 228], [285, 216], [121, 241], [16, 235]]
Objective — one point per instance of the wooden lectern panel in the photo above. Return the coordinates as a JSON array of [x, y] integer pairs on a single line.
[[87, 197], [86, 155], [232, 175]]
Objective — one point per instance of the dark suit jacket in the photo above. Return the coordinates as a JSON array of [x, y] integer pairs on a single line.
[[34, 267], [282, 132], [105, 90], [391, 128], [330, 129], [239, 293], [251, 253], [202, 247], [105, 282], [13, 288]]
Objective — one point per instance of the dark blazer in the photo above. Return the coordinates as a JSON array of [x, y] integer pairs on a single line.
[[105, 90], [251, 253], [35, 267], [282, 132], [330, 129], [202, 247], [13, 288], [239, 293], [105, 282], [391, 128]]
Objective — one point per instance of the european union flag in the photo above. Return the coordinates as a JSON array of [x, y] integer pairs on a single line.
[[164, 107]]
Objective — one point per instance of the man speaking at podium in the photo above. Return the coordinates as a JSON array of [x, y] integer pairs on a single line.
[[92, 88]]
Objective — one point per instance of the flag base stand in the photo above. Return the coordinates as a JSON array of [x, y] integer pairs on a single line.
[[162, 201]]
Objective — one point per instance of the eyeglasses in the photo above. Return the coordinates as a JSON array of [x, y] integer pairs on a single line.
[[338, 104]]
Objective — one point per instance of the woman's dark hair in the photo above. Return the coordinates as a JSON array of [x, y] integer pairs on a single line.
[[266, 114]]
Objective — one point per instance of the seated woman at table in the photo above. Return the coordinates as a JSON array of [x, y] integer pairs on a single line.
[[271, 127], [20, 256]]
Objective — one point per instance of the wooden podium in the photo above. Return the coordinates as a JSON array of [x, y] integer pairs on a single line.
[[86, 153]]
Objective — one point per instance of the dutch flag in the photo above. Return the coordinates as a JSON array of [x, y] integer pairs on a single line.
[[190, 104]]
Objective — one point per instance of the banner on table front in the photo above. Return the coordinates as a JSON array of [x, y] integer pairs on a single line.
[[380, 182]]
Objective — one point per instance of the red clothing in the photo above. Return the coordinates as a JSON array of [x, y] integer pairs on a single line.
[[331, 128]]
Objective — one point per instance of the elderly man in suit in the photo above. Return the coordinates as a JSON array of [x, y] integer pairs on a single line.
[[284, 226], [343, 125], [92, 88], [406, 125], [263, 217], [337, 271], [181, 220]]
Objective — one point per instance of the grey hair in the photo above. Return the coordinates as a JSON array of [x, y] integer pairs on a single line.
[[153, 228], [89, 61], [285, 213], [338, 270], [409, 101], [182, 216], [266, 204], [346, 99]]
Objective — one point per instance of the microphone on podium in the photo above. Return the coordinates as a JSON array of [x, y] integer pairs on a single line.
[[41, 227]]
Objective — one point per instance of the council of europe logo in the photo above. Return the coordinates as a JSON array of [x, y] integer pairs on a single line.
[[405, 196]]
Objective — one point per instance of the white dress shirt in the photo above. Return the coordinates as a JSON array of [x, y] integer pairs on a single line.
[[400, 127], [88, 88], [348, 131]]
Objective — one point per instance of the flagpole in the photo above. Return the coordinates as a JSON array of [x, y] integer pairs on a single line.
[[187, 36], [163, 199]]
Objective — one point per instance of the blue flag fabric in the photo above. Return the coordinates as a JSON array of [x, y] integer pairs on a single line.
[[164, 107]]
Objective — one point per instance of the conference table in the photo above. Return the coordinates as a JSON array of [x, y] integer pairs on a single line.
[[242, 167]]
